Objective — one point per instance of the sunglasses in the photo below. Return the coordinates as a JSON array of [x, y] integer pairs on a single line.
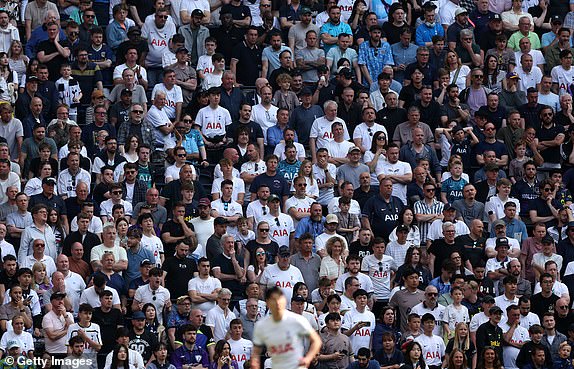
[[117, 192], [137, 111], [181, 155], [187, 120], [162, 16], [263, 229], [89, 16], [547, 189]]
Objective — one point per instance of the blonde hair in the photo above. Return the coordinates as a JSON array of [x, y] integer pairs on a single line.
[[331, 241], [310, 176], [464, 346], [38, 267]]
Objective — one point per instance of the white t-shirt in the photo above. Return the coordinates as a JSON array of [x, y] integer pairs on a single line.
[[90, 296], [227, 210], [564, 78], [339, 150], [191, 5], [96, 226], [398, 168], [380, 273], [280, 150], [213, 121], [240, 350], [280, 228], [283, 339], [265, 118], [93, 332], [437, 312], [107, 206], [25, 339], [154, 245], [321, 130], [362, 336], [238, 187], [173, 97], [491, 243], [120, 69], [158, 41], [365, 282], [284, 279], [158, 118], [208, 285], [509, 352], [300, 205], [257, 211], [333, 207], [453, 315], [366, 133], [433, 348], [558, 288], [219, 320]]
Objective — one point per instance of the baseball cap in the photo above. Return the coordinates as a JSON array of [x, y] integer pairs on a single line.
[[134, 29], [345, 72], [498, 222], [306, 10], [134, 233], [145, 262], [448, 206], [571, 225], [197, 13], [298, 298], [547, 239], [273, 197], [501, 242], [13, 344], [138, 315], [429, 5], [511, 75], [32, 79], [331, 218], [57, 295], [402, 228], [204, 202], [305, 91], [49, 181], [126, 91], [456, 129], [496, 17], [555, 19], [488, 299], [220, 221], [181, 299], [284, 251], [460, 11], [376, 27], [353, 148], [495, 310]]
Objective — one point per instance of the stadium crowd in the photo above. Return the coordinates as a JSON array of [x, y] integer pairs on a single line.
[[402, 170]]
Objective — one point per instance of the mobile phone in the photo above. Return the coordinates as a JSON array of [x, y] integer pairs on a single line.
[[344, 352], [367, 324]]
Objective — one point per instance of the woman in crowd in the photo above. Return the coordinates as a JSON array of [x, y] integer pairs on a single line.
[[461, 343], [414, 357], [130, 148], [263, 241], [256, 268], [54, 221], [222, 357], [407, 218], [413, 259], [459, 73], [34, 185], [333, 265]]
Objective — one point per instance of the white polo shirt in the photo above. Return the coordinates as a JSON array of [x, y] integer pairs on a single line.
[[219, 320]]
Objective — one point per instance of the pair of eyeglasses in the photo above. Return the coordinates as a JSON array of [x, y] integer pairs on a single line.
[[263, 229], [162, 16], [89, 16], [117, 192]]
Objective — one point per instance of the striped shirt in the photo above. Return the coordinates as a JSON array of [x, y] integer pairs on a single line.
[[421, 207]]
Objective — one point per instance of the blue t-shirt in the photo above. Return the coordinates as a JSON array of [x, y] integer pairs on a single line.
[[453, 188]]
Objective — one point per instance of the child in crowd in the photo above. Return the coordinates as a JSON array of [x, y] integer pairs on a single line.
[[213, 79], [349, 224], [284, 97], [69, 91], [205, 63], [454, 313], [516, 166]]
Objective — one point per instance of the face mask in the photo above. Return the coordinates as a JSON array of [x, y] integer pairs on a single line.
[[429, 24]]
